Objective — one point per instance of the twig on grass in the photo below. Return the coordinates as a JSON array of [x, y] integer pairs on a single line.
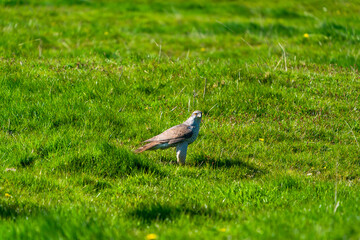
[[189, 104], [284, 56], [278, 63], [204, 88], [351, 130], [336, 202], [211, 109]]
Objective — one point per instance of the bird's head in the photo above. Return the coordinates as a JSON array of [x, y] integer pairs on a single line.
[[195, 118], [196, 114]]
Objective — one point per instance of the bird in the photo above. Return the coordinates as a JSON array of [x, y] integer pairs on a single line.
[[179, 136]]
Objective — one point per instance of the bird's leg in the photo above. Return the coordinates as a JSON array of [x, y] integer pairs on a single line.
[[181, 150]]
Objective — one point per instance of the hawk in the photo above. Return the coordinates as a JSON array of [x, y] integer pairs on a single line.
[[179, 136]]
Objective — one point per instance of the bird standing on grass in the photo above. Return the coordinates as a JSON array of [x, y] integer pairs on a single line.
[[179, 136]]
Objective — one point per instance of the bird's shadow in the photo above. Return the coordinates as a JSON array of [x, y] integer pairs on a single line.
[[201, 160], [205, 161]]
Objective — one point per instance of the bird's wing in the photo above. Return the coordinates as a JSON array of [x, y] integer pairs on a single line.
[[173, 135], [147, 146]]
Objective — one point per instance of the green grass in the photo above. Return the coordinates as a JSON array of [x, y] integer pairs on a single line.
[[84, 82]]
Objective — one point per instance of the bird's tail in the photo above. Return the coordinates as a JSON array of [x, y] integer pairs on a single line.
[[148, 146]]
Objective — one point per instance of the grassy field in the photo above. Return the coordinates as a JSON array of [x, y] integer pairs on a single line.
[[84, 82]]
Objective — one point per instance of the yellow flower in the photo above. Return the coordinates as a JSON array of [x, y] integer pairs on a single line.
[[106, 33], [306, 35], [7, 195], [324, 167], [222, 230], [202, 49], [151, 236], [261, 139]]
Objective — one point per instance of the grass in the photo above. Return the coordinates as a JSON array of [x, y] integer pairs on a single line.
[[84, 82]]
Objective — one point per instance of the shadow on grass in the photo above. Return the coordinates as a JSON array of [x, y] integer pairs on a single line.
[[110, 161], [26, 161], [13, 210], [203, 160], [93, 184], [159, 212]]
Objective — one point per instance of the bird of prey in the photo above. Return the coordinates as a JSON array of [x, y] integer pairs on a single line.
[[179, 136]]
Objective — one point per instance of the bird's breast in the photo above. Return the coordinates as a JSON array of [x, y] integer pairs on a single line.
[[194, 135]]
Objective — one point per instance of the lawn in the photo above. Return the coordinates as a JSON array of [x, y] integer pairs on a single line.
[[84, 82]]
